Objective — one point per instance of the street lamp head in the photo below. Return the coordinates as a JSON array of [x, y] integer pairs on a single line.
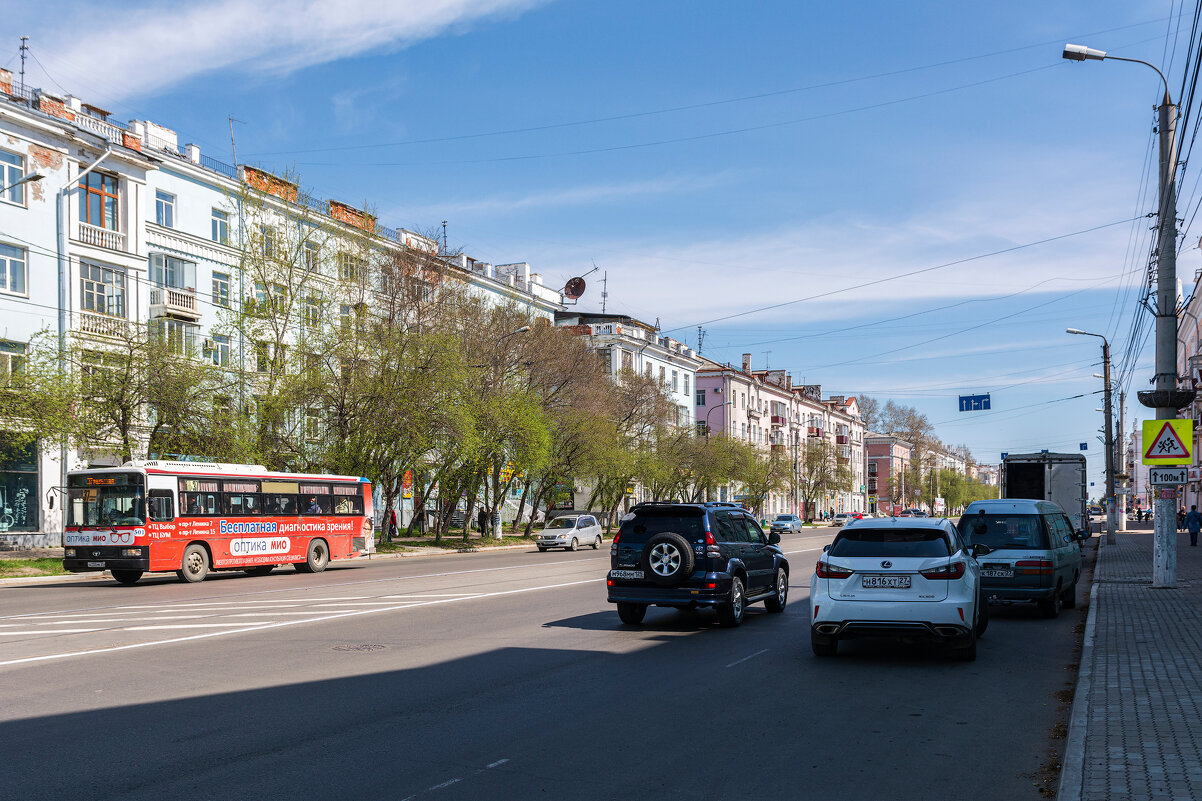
[[522, 330], [1073, 331], [1075, 52]]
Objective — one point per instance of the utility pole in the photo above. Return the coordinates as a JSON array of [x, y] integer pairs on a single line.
[[24, 50], [1111, 498], [1121, 444]]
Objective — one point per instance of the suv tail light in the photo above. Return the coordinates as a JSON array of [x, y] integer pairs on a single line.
[[954, 570], [1034, 567], [613, 545], [825, 570]]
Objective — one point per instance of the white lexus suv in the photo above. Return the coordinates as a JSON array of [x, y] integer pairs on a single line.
[[899, 577]]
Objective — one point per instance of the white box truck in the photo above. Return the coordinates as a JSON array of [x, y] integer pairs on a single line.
[[1056, 477]]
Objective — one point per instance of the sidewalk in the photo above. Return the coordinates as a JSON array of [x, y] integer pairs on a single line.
[[1136, 727]]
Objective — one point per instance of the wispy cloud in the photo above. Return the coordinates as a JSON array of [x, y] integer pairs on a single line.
[[152, 46]]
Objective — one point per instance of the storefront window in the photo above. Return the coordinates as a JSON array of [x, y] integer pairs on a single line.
[[18, 487]]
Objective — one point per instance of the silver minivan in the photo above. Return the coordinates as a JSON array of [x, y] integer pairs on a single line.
[[1035, 555], [570, 532]]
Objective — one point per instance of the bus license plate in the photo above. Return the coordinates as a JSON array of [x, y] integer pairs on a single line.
[[886, 582], [95, 564]]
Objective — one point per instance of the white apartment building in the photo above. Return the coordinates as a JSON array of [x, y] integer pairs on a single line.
[[151, 231]]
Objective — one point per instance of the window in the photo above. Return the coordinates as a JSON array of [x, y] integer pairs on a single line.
[[701, 397], [686, 383], [197, 497], [221, 226], [159, 506], [12, 359], [262, 361], [872, 468], [268, 244], [627, 360], [350, 268], [172, 272], [312, 257], [19, 484], [663, 377], [312, 425], [682, 416], [348, 499], [102, 290], [315, 499], [279, 498], [900, 543], [274, 298], [240, 498], [221, 289], [312, 310], [648, 365], [164, 209], [219, 350], [181, 338], [675, 381], [872, 485], [98, 200], [12, 169], [12, 269]]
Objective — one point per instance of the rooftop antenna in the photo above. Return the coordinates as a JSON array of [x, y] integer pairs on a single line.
[[767, 353], [24, 50], [444, 237], [604, 289], [700, 338], [233, 147]]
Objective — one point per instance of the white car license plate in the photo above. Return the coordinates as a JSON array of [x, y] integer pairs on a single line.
[[997, 573], [95, 564], [886, 582], [626, 574]]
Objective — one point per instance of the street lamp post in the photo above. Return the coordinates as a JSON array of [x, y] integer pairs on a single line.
[[1111, 511], [24, 179], [1166, 399], [722, 405]]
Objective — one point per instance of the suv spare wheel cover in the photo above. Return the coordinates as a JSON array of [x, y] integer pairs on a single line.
[[668, 559]]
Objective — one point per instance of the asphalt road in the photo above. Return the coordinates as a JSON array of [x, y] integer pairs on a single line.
[[499, 675]]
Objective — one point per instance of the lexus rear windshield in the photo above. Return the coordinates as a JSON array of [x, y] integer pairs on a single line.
[[1004, 531], [896, 542], [649, 522]]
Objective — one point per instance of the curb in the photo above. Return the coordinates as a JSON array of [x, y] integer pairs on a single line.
[[1072, 770], [424, 552]]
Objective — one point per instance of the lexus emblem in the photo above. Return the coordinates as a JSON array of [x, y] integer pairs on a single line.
[[886, 563]]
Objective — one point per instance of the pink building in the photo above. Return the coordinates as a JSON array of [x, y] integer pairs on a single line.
[[887, 460]]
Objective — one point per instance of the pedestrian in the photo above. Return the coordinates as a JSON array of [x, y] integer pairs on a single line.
[[1181, 518], [1193, 522], [391, 525], [482, 519]]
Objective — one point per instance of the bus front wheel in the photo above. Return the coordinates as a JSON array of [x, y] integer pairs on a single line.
[[317, 558], [195, 565]]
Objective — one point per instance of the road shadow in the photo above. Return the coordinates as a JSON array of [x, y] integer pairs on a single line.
[[658, 619]]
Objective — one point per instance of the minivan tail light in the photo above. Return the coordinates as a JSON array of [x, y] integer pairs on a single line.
[[1034, 567], [953, 570], [826, 570]]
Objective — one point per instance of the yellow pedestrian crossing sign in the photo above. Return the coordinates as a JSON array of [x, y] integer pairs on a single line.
[[1168, 442]]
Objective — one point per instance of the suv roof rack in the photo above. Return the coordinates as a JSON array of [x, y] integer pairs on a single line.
[[724, 503]]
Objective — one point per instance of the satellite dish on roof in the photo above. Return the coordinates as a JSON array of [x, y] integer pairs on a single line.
[[574, 288]]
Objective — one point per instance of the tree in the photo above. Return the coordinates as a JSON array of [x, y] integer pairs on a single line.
[[819, 471]]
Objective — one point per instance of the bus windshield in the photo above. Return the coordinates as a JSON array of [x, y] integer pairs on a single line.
[[112, 500]]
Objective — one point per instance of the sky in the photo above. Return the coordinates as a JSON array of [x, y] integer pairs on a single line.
[[910, 201]]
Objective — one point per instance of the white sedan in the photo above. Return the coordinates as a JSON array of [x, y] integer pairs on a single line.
[[906, 578], [570, 532]]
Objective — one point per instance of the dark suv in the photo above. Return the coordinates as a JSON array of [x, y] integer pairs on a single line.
[[687, 555]]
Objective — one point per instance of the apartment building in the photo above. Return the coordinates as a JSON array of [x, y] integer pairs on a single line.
[[887, 463], [154, 231]]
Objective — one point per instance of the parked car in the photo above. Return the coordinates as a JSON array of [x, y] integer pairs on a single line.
[[1035, 554], [570, 532], [782, 524], [841, 519], [902, 578], [691, 555]]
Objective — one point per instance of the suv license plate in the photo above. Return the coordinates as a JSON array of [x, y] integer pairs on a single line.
[[886, 582], [997, 573], [626, 574]]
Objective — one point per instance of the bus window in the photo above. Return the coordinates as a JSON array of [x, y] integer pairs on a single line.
[[197, 497], [280, 498], [348, 500], [237, 504], [160, 506], [315, 499]]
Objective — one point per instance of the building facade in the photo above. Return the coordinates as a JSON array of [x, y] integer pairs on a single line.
[[887, 465]]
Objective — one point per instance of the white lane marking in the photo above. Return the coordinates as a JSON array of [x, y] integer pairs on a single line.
[[498, 762], [444, 784], [744, 659], [196, 625], [282, 623], [48, 631]]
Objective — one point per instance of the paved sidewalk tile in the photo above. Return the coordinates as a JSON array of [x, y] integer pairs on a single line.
[[1143, 727]]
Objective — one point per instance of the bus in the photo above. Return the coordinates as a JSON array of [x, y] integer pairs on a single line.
[[192, 518]]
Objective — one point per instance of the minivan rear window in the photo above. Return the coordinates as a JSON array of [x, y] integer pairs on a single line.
[[1004, 530], [896, 542], [649, 522]]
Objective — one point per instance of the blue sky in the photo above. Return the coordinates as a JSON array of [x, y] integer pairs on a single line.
[[716, 159]]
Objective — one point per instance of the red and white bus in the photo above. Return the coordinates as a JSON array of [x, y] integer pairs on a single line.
[[192, 517]]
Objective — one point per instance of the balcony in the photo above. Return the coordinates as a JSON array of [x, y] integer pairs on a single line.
[[103, 325], [778, 447], [813, 431], [840, 439], [178, 302], [753, 414], [101, 237], [778, 421]]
